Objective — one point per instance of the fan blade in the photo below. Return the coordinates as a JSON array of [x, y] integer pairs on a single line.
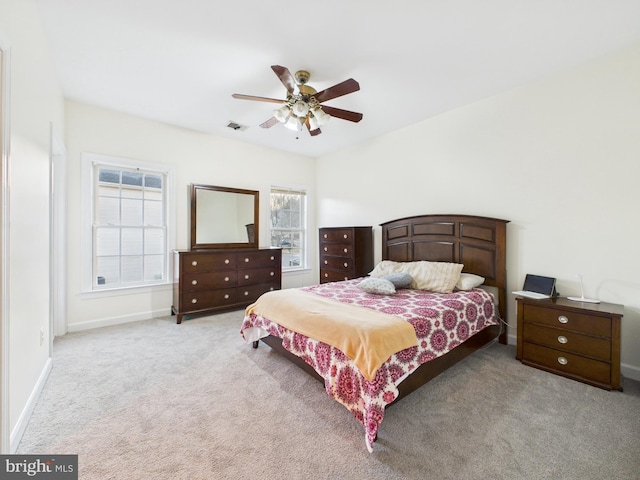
[[343, 114], [348, 86], [258, 99], [269, 123], [285, 77], [313, 133]]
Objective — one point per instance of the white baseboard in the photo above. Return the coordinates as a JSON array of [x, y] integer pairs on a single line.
[[630, 371], [23, 420], [108, 321]]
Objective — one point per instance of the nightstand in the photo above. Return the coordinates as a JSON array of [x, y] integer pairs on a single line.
[[574, 339]]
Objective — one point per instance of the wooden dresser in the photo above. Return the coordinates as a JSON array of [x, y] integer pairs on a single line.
[[574, 339], [206, 281], [345, 253]]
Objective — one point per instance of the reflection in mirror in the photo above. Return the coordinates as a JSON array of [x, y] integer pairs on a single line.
[[223, 217]]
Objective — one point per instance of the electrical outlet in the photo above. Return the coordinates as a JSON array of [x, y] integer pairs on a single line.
[[41, 336]]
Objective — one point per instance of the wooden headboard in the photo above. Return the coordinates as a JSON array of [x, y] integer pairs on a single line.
[[480, 243]]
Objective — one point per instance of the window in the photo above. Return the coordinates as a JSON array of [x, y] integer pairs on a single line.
[[289, 226], [129, 228]]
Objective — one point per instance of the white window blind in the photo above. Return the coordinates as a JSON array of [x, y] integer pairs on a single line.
[[289, 226], [129, 225]]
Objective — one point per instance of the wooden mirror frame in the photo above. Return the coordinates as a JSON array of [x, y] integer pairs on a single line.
[[252, 240]]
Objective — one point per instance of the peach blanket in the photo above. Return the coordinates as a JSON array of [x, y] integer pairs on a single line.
[[366, 336]]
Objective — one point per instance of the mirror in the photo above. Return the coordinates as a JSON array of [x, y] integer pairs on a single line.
[[223, 217]]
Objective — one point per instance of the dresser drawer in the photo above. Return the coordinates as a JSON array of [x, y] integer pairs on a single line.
[[333, 235], [262, 258], [252, 276], [337, 263], [567, 363], [208, 262], [337, 249], [333, 276], [209, 299], [577, 322], [567, 341], [199, 282], [250, 293]]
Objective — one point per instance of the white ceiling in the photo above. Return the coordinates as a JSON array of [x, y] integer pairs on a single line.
[[179, 61]]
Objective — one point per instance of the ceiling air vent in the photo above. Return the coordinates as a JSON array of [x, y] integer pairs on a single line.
[[236, 126]]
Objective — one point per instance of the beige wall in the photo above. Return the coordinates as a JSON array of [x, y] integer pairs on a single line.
[[559, 158], [36, 105], [198, 158]]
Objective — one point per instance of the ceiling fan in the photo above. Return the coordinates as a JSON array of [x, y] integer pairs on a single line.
[[302, 106]]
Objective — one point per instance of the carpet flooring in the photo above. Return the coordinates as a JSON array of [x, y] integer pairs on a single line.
[[157, 400]]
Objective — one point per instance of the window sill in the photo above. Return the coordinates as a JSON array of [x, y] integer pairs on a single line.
[[296, 271], [116, 292]]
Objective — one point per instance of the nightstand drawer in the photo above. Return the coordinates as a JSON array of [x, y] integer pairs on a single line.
[[577, 322], [594, 347], [567, 363]]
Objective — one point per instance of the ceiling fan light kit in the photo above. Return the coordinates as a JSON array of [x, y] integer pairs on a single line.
[[303, 104]]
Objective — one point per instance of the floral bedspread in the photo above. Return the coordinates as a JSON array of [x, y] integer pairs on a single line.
[[441, 322]]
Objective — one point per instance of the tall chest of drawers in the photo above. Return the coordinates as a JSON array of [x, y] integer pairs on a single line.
[[574, 339], [208, 281], [345, 253]]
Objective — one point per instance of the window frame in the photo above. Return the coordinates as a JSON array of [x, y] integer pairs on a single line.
[[304, 229], [88, 197]]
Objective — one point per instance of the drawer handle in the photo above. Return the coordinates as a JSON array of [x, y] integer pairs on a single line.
[[562, 360], [246, 277], [272, 273], [271, 288], [326, 275], [325, 235], [563, 339], [346, 250], [226, 260], [246, 294], [272, 257], [246, 260], [563, 319], [226, 296], [325, 249], [346, 236], [346, 265], [194, 263], [194, 282], [226, 279], [326, 262], [346, 278], [194, 300]]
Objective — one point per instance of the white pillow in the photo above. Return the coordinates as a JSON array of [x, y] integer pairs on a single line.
[[379, 286], [467, 281]]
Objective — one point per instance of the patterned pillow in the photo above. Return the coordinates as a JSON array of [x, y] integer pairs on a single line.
[[378, 286], [399, 279]]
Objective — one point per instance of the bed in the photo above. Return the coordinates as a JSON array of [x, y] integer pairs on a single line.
[[368, 386]]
